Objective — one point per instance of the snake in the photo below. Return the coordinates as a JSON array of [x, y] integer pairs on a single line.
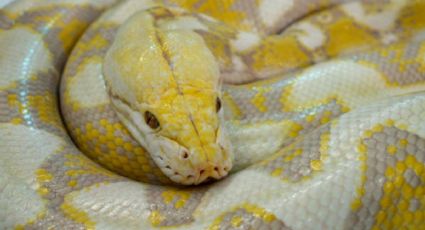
[[202, 114]]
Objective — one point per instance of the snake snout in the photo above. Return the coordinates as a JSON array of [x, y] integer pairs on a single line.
[[205, 170], [212, 172]]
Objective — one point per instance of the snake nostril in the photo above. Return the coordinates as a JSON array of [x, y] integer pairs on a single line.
[[185, 155], [216, 168], [201, 171]]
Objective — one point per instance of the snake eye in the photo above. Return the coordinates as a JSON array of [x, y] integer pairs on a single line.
[[151, 120], [217, 104]]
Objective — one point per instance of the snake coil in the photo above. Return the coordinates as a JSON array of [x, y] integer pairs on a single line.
[[323, 104]]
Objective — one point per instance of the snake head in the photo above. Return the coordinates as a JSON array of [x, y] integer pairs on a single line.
[[164, 86]]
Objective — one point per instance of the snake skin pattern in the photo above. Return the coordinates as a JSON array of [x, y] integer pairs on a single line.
[[327, 119]]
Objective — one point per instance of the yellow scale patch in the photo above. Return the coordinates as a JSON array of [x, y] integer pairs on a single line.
[[395, 215], [344, 35], [232, 106], [397, 52], [236, 221], [156, 218], [43, 176], [39, 216], [259, 99], [290, 153], [137, 168], [96, 42], [399, 59], [180, 198], [218, 43], [412, 17], [85, 167], [279, 53], [317, 164], [13, 102], [419, 59], [75, 214], [68, 31], [288, 106], [222, 11], [44, 104], [295, 129], [285, 53]]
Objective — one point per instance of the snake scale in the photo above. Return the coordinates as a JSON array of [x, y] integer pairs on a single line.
[[321, 104]]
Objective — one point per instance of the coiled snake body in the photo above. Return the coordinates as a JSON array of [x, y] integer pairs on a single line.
[[326, 124]]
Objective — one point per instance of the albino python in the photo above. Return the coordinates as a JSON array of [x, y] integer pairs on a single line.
[[302, 114]]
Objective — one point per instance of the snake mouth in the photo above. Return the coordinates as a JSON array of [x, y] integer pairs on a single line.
[[186, 168], [201, 175]]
